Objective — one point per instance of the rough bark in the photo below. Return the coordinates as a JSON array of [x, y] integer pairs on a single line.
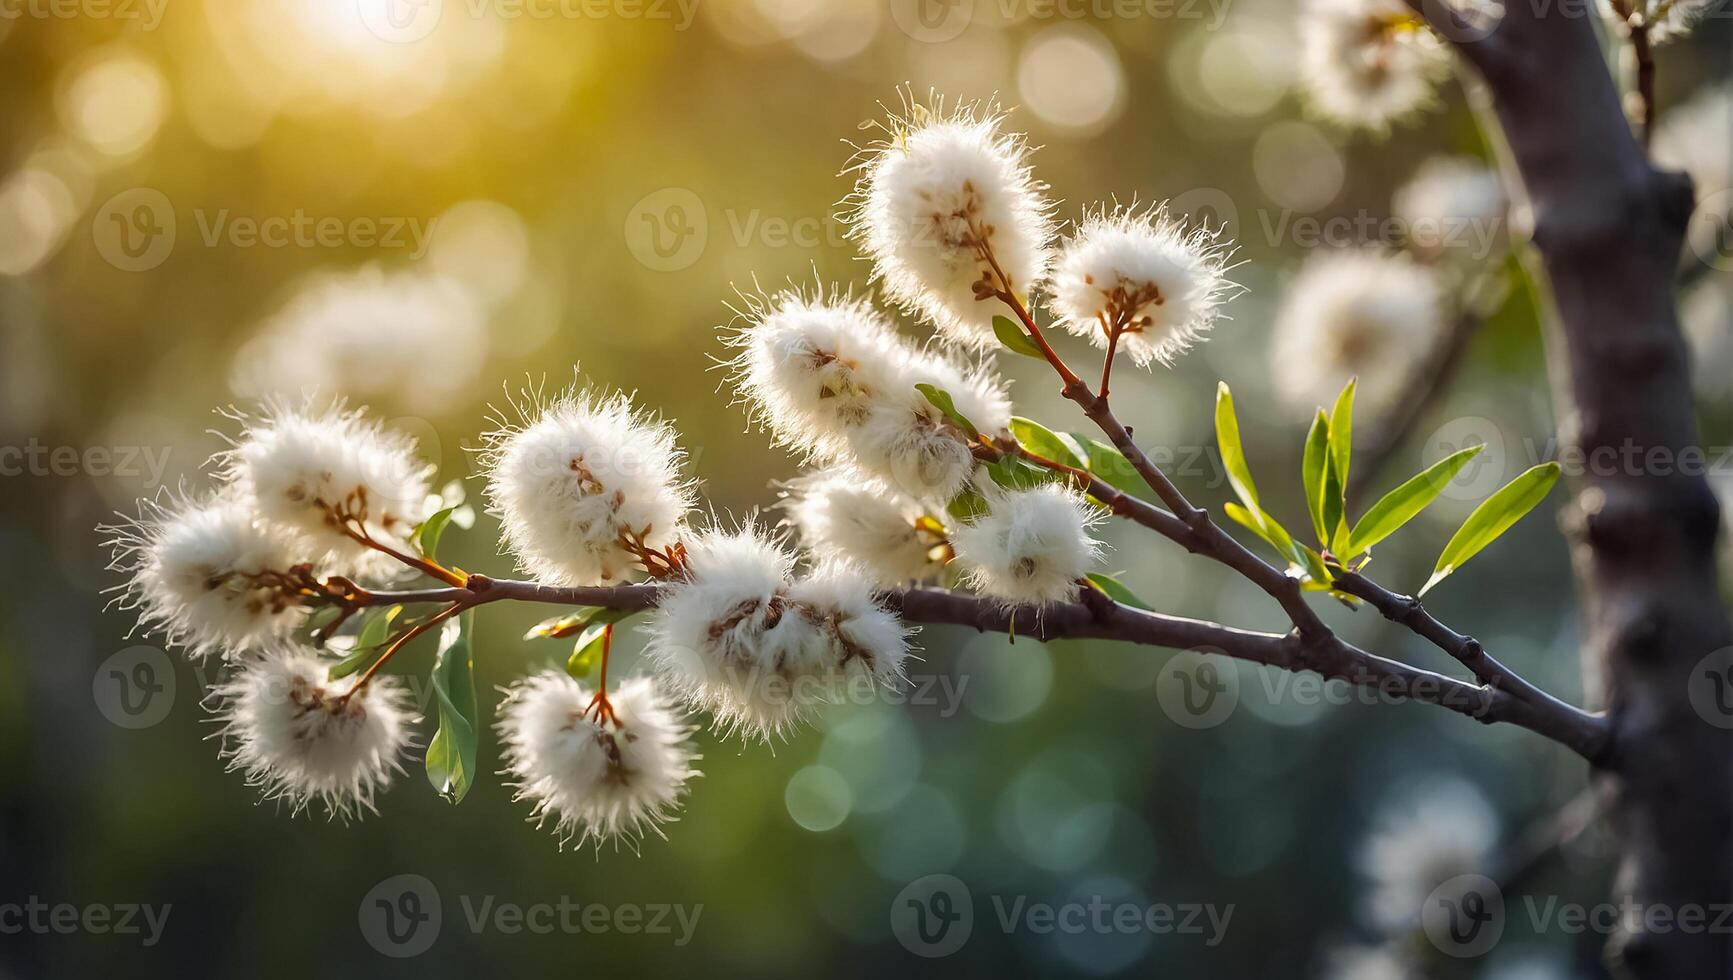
[[1607, 228]]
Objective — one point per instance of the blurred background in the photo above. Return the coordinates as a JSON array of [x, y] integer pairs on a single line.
[[412, 203]]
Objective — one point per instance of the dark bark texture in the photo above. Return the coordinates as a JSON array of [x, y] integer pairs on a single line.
[[1607, 228]]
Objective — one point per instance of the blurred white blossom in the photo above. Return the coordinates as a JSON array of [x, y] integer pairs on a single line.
[[1355, 313], [416, 338], [1368, 63]]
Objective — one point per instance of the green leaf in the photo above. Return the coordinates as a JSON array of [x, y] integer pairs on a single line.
[[1316, 570], [451, 753], [1015, 338], [1268, 529], [1404, 503], [1116, 590], [967, 506], [1110, 465], [1016, 473], [1312, 469], [941, 400], [1042, 441], [569, 624], [369, 644], [1342, 429], [1494, 517], [1233, 452], [426, 536], [587, 651]]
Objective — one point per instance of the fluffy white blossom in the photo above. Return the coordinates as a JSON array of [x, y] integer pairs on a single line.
[[1423, 842], [1355, 313], [1453, 206], [580, 483], [840, 512], [810, 366], [742, 639], [1031, 546], [367, 332], [1142, 272], [943, 192], [303, 739], [599, 779], [209, 575], [908, 441], [331, 475], [829, 377], [1368, 63]]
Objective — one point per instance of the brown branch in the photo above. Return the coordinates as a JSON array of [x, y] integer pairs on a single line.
[[1408, 611], [1326, 655]]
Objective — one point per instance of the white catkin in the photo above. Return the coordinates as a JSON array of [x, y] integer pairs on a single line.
[[207, 574], [1368, 63], [582, 481], [295, 736], [829, 378], [1146, 270], [1355, 313], [1032, 546], [745, 640], [324, 471], [597, 780], [840, 512], [1453, 208], [943, 190]]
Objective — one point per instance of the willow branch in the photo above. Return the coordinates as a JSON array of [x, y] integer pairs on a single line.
[[1191, 527], [1408, 611], [1326, 654]]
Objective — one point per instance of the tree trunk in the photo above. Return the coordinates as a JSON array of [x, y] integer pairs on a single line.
[[1607, 228]]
